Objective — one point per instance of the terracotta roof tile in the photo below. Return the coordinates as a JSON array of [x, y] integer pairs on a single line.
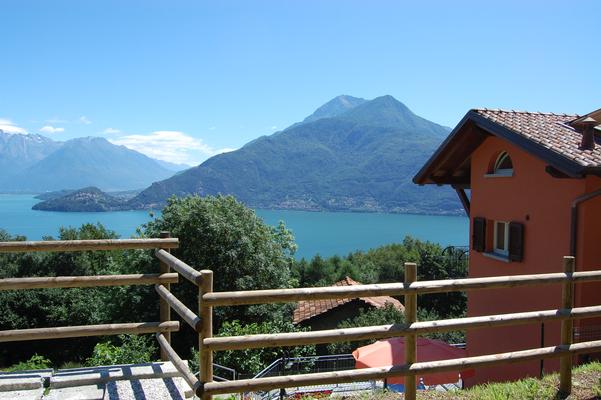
[[549, 130], [308, 309]]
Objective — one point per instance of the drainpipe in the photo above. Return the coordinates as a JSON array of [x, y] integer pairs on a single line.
[[574, 220]]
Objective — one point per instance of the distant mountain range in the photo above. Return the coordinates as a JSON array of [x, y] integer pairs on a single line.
[[350, 154], [35, 163]]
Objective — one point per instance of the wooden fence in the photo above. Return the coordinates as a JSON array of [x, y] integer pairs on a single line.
[[201, 320]]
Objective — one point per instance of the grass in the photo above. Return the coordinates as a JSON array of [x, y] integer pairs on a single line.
[[586, 385]]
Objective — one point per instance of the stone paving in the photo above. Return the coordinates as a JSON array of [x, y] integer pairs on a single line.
[[118, 382]]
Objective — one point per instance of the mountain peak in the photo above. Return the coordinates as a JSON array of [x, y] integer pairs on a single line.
[[338, 105]]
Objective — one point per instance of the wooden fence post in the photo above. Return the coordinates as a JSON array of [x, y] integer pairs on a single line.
[[411, 339], [206, 314], [567, 301], [164, 308]]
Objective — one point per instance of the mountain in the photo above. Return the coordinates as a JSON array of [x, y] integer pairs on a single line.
[[82, 162], [350, 154], [173, 167], [19, 151], [88, 199]]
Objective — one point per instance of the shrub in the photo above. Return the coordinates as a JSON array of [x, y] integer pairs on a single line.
[[134, 349], [35, 362]]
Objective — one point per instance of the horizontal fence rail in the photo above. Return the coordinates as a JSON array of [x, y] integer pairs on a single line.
[[394, 330], [85, 245], [217, 299], [135, 328], [181, 267], [187, 315], [419, 368], [86, 281]]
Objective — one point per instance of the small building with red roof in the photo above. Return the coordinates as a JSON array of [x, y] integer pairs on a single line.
[[327, 314], [534, 182]]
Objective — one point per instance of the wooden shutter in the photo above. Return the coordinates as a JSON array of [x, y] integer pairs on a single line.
[[479, 234], [516, 241]]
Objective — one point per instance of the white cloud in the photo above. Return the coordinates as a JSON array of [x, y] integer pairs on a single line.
[[56, 120], [212, 128], [111, 131], [84, 120], [273, 128], [51, 129], [172, 146], [7, 126]]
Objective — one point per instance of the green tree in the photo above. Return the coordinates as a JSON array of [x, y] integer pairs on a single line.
[[221, 234]]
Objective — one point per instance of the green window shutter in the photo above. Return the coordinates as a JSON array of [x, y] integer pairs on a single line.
[[516, 241], [479, 234]]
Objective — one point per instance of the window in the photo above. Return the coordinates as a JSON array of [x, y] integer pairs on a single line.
[[501, 238], [500, 166]]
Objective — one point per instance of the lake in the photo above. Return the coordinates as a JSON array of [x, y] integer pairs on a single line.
[[326, 233]]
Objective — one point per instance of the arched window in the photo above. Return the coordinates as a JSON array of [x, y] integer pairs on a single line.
[[503, 165]]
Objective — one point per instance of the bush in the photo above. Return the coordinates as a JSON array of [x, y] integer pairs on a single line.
[[35, 362], [252, 361], [134, 349]]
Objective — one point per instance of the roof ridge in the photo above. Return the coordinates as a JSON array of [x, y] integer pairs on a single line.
[[501, 110]]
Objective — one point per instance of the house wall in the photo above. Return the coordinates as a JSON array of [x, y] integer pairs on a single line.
[[542, 203], [589, 257]]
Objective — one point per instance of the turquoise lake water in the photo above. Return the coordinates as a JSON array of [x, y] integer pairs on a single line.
[[325, 233]]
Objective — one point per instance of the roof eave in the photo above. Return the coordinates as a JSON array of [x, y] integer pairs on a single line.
[[565, 165]]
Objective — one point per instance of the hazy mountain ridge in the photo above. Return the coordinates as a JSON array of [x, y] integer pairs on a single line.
[[35, 163], [355, 155]]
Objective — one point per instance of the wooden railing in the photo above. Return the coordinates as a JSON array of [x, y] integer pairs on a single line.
[[410, 329], [201, 320], [162, 281]]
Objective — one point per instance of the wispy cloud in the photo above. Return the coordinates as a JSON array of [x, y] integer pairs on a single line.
[[56, 120], [8, 126], [111, 131], [51, 129], [84, 120], [173, 146]]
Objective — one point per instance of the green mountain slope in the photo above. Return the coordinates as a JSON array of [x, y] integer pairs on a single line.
[[359, 157]]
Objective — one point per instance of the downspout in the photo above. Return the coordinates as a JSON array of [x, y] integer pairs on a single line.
[[574, 219]]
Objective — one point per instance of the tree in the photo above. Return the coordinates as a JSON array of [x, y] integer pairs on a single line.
[[221, 234]]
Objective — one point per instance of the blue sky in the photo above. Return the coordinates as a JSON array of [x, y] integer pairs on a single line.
[[183, 80]]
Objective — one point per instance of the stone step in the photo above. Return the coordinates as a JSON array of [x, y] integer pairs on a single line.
[[31, 394]]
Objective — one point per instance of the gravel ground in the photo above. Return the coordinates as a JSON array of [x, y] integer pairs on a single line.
[[146, 389]]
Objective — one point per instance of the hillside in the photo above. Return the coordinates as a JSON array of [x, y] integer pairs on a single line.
[[351, 154], [83, 162], [84, 200]]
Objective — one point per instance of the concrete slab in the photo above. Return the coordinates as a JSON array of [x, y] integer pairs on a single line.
[[97, 375], [167, 388], [35, 394], [90, 392], [20, 382]]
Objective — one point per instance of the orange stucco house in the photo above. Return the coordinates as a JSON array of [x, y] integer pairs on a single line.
[[535, 196]]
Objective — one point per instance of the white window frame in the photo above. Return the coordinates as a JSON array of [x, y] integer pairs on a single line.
[[501, 172], [504, 251]]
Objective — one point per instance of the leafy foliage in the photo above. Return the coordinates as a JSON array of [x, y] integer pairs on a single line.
[[221, 234], [386, 264], [35, 362], [134, 349], [253, 361]]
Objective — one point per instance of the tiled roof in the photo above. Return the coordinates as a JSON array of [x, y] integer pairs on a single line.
[[549, 130], [308, 309]]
